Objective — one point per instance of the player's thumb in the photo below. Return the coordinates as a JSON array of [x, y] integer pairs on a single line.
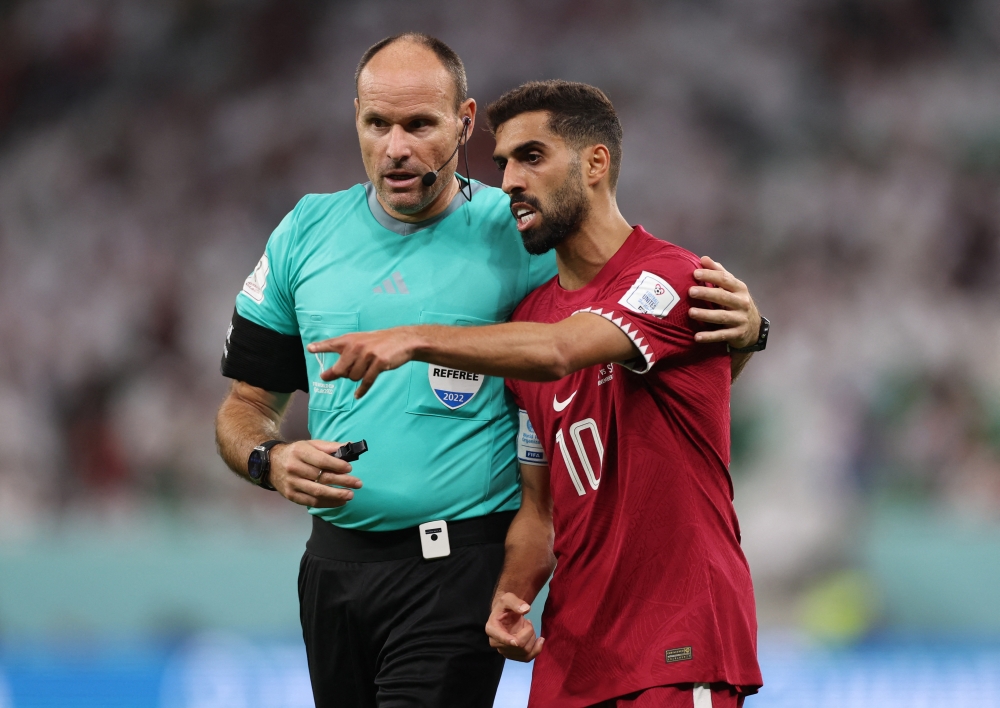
[[515, 604]]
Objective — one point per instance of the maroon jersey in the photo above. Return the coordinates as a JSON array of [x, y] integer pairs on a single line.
[[651, 587]]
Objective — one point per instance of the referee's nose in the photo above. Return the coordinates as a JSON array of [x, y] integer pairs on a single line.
[[398, 147]]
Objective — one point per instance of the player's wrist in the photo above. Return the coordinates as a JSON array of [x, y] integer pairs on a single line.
[[759, 342], [420, 341]]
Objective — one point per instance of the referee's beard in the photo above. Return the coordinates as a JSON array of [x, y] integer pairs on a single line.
[[418, 197], [560, 218]]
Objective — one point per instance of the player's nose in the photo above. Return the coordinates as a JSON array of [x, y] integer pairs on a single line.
[[513, 179]]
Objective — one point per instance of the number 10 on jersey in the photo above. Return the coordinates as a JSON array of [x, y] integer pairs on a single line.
[[576, 432]]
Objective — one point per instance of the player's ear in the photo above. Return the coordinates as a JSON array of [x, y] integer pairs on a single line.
[[596, 163]]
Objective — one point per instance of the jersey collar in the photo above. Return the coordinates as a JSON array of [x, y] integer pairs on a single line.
[[608, 272], [405, 228]]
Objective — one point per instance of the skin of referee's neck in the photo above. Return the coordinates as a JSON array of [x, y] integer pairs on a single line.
[[538, 162], [408, 124]]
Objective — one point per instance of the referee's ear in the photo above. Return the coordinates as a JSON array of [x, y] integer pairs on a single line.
[[466, 110]]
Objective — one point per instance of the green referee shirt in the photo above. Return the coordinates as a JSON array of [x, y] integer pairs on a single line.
[[441, 442]]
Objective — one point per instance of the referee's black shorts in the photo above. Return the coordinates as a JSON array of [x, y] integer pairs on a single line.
[[386, 628]]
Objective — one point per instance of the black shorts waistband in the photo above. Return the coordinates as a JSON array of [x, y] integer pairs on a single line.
[[337, 543]]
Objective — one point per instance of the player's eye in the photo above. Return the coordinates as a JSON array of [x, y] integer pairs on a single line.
[[377, 123], [501, 164], [533, 158]]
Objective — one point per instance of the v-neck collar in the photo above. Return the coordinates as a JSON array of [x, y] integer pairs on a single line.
[[608, 272], [406, 228]]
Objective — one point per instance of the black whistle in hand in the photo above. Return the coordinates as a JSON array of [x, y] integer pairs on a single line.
[[351, 451]]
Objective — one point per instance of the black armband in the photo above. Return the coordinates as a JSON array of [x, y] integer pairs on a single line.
[[264, 358]]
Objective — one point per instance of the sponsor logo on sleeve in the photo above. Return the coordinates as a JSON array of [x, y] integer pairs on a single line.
[[453, 387], [650, 295], [253, 286]]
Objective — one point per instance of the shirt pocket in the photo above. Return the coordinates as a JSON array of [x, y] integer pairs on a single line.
[[451, 393], [316, 326]]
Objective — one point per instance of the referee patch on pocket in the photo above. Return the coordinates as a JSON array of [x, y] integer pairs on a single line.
[[679, 654]]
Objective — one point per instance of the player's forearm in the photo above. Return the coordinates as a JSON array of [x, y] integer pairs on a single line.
[[529, 351], [241, 424], [738, 360], [528, 560]]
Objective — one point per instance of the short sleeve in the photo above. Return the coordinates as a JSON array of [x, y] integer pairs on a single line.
[[263, 347], [514, 392], [649, 303], [266, 297]]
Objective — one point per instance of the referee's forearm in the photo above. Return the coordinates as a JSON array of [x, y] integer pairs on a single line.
[[241, 424]]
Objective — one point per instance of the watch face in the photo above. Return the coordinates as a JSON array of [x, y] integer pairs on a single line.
[[255, 465]]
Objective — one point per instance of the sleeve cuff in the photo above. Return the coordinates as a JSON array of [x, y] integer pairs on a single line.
[[633, 333]]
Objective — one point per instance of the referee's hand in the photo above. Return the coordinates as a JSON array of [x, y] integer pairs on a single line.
[[302, 472], [510, 632]]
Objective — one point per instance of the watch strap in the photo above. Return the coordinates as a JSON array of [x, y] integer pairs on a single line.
[[265, 477]]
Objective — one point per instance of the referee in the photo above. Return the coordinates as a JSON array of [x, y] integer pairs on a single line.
[[392, 606]]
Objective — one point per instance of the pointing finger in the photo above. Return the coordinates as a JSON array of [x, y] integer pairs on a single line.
[[334, 344]]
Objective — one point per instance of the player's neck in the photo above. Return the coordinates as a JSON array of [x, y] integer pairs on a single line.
[[581, 256], [440, 203]]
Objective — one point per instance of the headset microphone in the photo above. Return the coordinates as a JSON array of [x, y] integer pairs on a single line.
[[430, 178]]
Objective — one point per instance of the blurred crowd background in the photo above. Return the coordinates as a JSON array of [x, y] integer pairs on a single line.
[[840, 156]]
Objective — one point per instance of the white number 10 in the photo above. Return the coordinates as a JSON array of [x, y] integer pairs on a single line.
[[575, 432]]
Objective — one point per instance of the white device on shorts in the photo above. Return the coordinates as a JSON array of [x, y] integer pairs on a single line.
[[434, 539]]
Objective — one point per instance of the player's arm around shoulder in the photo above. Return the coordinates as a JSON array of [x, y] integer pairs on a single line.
[[300, 471], [528, 563]]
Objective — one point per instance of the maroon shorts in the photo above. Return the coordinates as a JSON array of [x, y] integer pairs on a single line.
[[684, 695]]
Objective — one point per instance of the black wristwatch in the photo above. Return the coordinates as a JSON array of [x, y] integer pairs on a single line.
[[765, 326], [259, 464]]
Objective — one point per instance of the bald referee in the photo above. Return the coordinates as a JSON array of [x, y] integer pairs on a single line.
[[407, 543]]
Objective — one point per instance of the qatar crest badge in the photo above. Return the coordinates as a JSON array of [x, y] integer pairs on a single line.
[[454, 387]]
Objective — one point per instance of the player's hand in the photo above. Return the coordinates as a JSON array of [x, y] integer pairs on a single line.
[[738, 317], [510, 632], [302, 472], [365, 355]]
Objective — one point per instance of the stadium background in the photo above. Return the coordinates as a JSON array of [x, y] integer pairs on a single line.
[[842, 156]]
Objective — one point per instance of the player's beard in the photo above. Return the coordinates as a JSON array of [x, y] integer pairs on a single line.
[[561, 217]]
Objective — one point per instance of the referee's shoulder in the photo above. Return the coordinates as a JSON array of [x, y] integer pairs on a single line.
[[489, 197], [323, 204]]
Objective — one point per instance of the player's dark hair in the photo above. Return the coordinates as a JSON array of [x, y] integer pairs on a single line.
[[578, 113], [451, 61]]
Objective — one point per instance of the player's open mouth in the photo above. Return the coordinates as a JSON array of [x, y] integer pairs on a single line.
[[524, 215], [400, 180]]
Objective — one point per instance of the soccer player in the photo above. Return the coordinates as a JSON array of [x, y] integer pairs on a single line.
[[651, 603]]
